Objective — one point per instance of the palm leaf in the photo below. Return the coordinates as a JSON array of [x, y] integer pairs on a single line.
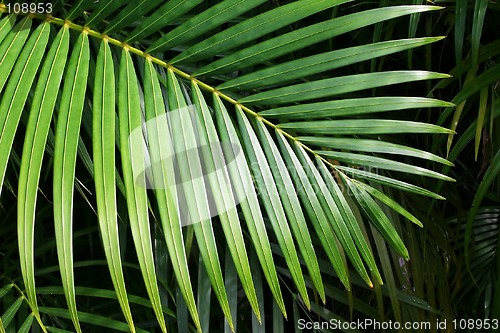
[[166, 93]]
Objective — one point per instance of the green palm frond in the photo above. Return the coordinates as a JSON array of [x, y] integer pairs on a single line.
[[77, 84]]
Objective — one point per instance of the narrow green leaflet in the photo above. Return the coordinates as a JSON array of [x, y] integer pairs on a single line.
[[204, 22], [382, 163], [337, 86], [251, 29], [378, 217], [295, 69], [11, 107], [129, 14], [184, 139], [26, 326], [167, 199], [353, 242], [103, 142], [304, 37], [165, 15], [352, 107], [374, 146], [364, 126], [461, 15], [336, 197], [272, 202], [480, 7], [5, 289], [250, 206], [390, 182], [315, 211], [11, 46], [6, 25], [389, 202], [11, 311], [65, 152], [35, 139], [132, 159], [291, 205]]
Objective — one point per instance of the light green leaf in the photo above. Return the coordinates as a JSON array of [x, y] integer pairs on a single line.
[[35, 139], [337, 86], [26, 326], [6, 25], [390, 182], [295, 69], [240, 172], [253, 28], [11, 312], [133, 159], [272, 202], [65, 151], [12, 45], [336, 197], [352, 107], [382, 163], [389, 202], [349, 236], [374, 146], [378, 217], [167, 199], [309, 35], [364, 126], [315, 211], [103, 141], [203, 22], [184, 140], [291, 205]]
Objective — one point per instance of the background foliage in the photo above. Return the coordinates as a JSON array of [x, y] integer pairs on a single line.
[[453, 267]]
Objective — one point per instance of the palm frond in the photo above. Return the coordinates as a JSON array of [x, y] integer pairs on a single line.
[[205, 107]]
